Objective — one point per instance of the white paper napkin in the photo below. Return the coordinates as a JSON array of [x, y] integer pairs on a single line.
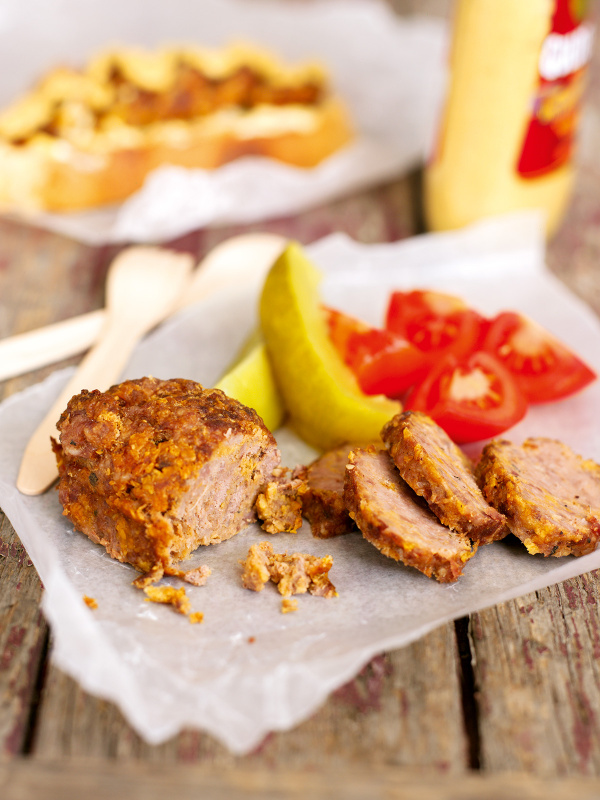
[[249, 669], [390, 72]]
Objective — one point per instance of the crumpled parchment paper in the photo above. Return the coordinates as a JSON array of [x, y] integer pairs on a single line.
[[249, 669], [390, 71]]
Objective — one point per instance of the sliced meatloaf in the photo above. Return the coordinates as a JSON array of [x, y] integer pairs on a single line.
[[398, 522], [438, 470], [323, 502], [549, 494], [151, 469]]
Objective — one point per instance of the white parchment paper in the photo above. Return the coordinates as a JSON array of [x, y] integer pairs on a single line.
[[249, 669], [389, 71]]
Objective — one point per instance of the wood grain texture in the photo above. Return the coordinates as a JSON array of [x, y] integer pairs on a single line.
[[43, 278], [403, 709], [23, 780], [538, 680], [23, 634]]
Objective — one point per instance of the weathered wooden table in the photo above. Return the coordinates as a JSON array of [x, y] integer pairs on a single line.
[[506, 702]]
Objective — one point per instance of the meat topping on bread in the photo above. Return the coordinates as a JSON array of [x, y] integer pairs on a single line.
[[137, 88], [86, 138]]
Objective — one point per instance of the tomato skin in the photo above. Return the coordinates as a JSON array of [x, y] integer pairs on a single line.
[[434, 322], [345, 332], [544, 368], [495, 402], [391, 371], [416, 303], [383, 362]]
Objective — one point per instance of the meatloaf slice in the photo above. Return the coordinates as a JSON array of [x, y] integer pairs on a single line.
[[550, 495], [438, 470], [153, 468], [398, 522], [323, 502]]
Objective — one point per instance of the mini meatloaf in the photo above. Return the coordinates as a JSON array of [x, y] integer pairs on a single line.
[[153, 468], [398, 522], [438, 470], [323, 503], [550, 495]]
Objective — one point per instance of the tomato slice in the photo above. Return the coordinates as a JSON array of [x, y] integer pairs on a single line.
[[471, 399], [544, 368], [391, 371], [435, 322], [383, 362], [352, 337]]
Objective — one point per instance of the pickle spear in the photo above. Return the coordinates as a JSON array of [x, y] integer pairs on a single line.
[[325, 404], [250, 380]]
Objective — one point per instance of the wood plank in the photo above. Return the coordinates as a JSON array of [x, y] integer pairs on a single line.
[[33, 267], [43, 278], [538, 680], [404, 709], [574, 254], [23, 634], [25, 779]]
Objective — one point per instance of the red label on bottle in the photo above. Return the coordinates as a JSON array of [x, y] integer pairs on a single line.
[[565, 53]]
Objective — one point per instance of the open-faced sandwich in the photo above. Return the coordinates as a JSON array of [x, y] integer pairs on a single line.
[[85, 138]]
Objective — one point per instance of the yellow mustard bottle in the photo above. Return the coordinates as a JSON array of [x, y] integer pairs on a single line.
[[509, 124]]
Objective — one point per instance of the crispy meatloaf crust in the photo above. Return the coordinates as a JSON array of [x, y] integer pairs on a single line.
[[398, 522], [153, 468], [323, 503], [438, 470], [550, 495]]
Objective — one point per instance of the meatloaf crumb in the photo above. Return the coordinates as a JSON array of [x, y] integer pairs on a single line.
[[438, 470], [398, 522], [294, 574], [176, 598], [288, 605], [151, 469], [550, 495], [148, 578], [197, 576], [170, 596], [256, 567], [323, 503], [279, 505]]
